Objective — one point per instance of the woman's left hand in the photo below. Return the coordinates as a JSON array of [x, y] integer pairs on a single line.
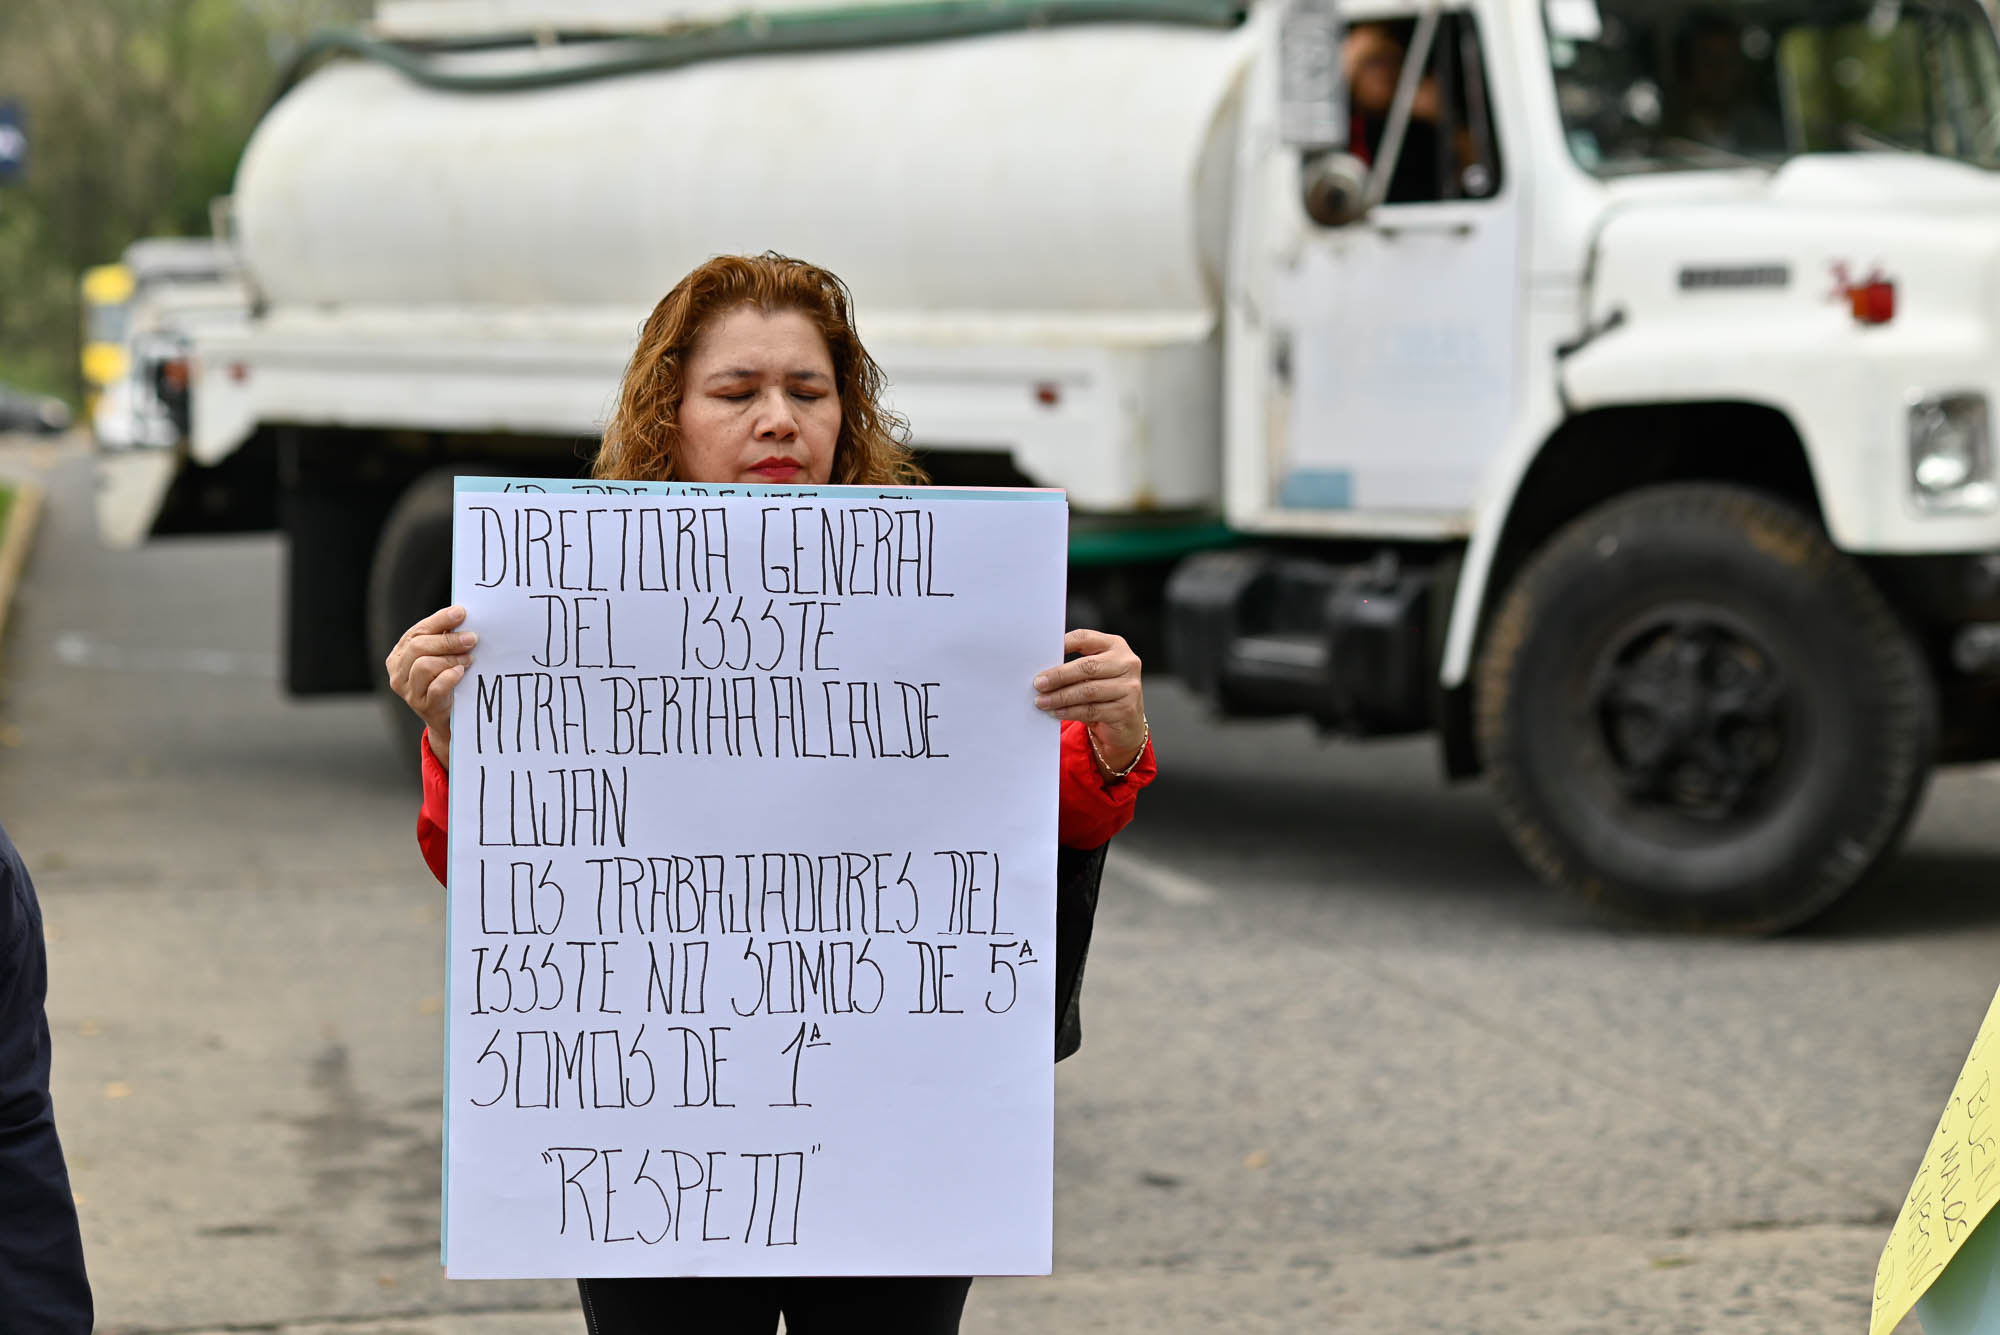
[[1101, 690]]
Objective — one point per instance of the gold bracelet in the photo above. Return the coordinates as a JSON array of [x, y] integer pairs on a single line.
[[1116, 774]]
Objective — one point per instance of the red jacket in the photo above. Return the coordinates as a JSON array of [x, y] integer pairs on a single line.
[[1090, 810]]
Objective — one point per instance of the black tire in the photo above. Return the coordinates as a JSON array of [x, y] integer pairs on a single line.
[[409, 579], [1700, 715]]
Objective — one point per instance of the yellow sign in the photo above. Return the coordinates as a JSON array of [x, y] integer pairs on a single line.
[[104, 363], [1958, 1183], [108, 284]]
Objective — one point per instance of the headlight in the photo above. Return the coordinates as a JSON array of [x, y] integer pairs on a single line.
[[1951, 454]]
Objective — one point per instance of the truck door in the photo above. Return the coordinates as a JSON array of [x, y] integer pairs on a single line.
[[1392, 339]]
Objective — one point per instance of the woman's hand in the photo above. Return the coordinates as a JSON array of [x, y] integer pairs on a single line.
[[1100, 689], [426, 665]]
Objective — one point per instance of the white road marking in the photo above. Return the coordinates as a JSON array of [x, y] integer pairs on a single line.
[[1163, 883], [73, 649]]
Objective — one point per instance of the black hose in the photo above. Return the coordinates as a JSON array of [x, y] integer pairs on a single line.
[[760, 35]]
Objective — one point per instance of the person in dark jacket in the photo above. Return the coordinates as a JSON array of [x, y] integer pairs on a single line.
[[43, 1289]]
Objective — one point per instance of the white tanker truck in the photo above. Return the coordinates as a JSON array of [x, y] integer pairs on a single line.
[[1603, 385]]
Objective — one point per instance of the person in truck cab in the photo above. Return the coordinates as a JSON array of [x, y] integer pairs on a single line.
[[1438, 147], [1372, 55]]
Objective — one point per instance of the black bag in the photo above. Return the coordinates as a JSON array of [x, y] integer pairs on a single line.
[[1078, 874]]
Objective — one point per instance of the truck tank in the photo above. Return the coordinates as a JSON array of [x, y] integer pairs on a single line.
[[1060, 178], [451, 242]]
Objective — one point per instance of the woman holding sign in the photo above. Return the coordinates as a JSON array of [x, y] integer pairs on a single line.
[[749, 371]]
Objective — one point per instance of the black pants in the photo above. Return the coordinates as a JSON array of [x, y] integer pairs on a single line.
[[920, 1305], [42, 1286]]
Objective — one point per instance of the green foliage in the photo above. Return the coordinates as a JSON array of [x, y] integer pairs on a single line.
[[1845, 75], [136, 113]]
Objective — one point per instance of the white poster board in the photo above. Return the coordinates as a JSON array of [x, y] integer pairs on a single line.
[[752, 881]]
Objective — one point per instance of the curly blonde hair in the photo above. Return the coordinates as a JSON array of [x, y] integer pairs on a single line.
[[641, 442]]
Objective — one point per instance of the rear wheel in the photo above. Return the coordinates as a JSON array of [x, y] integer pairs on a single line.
[[1699, 714], [409, 579]]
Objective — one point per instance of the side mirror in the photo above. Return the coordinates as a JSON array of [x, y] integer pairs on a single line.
[[1334, 186], [1312, 113], [1312, 99]]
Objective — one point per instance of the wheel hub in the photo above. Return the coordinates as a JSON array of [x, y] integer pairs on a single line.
[[1692, 713]]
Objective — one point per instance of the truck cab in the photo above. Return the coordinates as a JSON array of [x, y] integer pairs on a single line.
[[1602, 385], [1650, 377]]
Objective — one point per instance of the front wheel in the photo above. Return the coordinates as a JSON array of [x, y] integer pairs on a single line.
[[1698, 713]]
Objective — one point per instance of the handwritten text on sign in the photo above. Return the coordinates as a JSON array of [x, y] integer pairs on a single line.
[[1956, 1185], [752, 867]]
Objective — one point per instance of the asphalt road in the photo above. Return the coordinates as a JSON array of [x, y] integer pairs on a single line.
[[1347, 1066]]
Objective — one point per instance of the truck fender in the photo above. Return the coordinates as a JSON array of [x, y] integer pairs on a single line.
[[1523, 447]]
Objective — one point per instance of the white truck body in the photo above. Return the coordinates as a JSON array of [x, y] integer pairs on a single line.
[[1086, 250], [991, 247]]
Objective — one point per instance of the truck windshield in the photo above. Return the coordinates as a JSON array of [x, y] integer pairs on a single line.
[[1663, 85]]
